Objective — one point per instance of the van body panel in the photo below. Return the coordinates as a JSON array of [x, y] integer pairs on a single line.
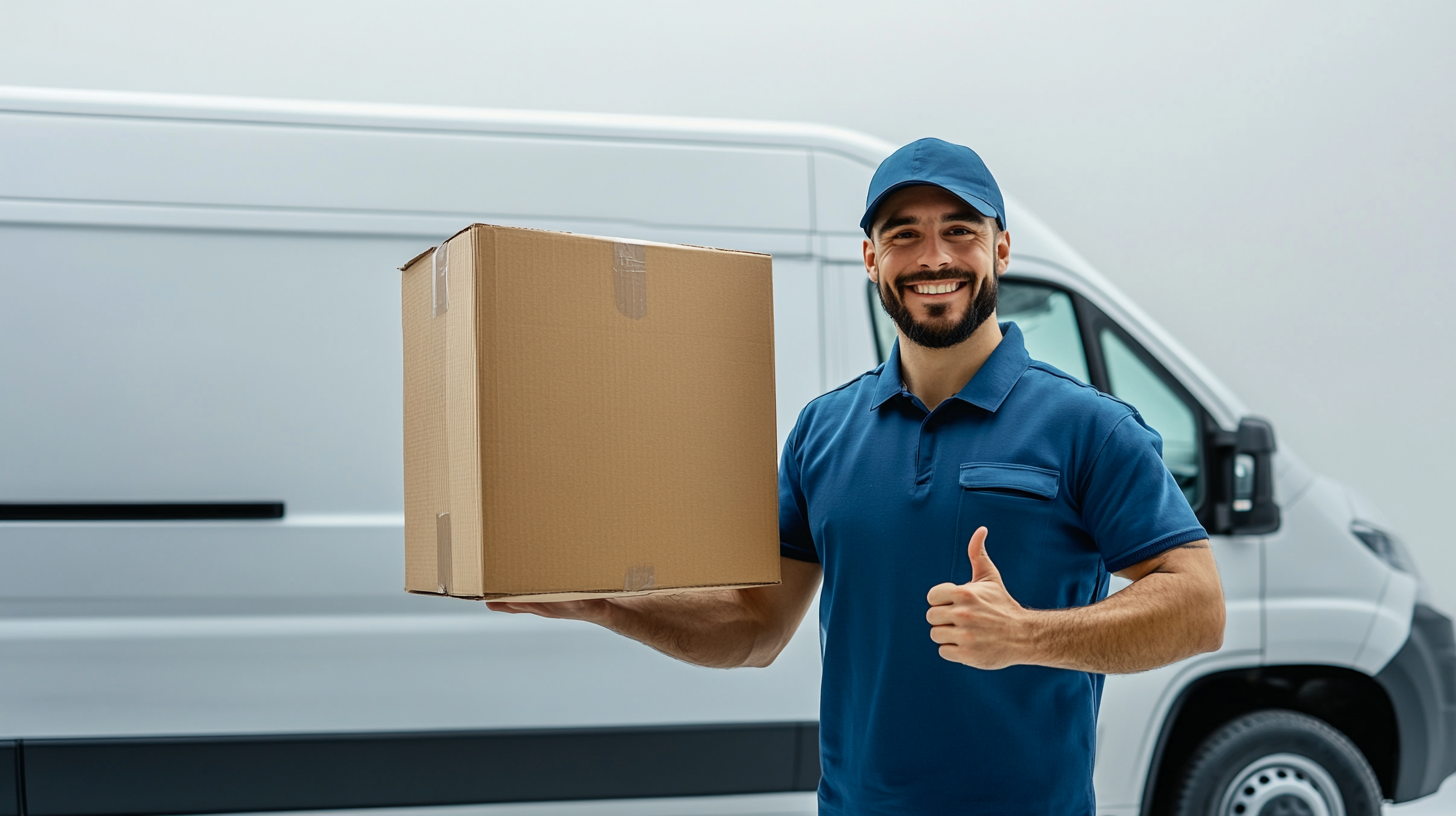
[[152, 161], [840, 184], [1391, 624], [799, 338], [849, 345], [1291, 477], [845, 250], [132, 668], [422, 230], [1321, 593], [328, 556], [171, 348]]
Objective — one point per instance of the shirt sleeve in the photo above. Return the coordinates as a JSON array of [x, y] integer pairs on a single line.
[[795, 540], [1132, 506]]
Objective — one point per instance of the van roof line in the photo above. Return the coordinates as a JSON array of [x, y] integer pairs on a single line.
[[438, 117]]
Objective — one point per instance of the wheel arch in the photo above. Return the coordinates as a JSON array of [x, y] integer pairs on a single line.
[[1350, 701], [1421, 684]]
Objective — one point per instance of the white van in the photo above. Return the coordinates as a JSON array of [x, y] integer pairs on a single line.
[[200, 485]]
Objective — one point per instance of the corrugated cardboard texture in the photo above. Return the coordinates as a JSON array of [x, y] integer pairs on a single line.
[[425, 487], [583, 441]]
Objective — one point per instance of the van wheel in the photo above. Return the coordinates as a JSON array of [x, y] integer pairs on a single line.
[[1278, 763]]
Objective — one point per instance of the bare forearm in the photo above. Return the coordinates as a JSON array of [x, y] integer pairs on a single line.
[[1160, 619], [721, 629]]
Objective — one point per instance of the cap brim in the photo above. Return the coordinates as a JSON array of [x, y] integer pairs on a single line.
[[979, 205]]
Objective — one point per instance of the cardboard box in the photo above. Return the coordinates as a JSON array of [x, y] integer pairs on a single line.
[[587, 417]]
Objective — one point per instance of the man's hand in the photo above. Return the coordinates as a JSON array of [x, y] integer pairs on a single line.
[[596, 610], [1173, 610], [979, 623]]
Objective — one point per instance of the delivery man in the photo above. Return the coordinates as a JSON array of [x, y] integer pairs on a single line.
[[963, 505]]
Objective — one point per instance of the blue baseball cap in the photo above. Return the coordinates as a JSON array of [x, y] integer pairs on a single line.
[[952, 167]]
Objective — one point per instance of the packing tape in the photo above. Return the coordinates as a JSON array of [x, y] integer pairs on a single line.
[[629, 279], [440, 288], [639, 578], [440, 283], [442, 553]]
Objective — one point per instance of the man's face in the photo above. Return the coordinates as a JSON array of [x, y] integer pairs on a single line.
[[935, 261]]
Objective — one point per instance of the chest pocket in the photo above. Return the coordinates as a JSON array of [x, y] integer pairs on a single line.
[[1014, 504]]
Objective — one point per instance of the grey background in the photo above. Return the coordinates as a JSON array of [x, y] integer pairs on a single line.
[[1274, 182]]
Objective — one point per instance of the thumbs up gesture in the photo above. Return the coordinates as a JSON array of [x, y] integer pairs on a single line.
[[979, 623]]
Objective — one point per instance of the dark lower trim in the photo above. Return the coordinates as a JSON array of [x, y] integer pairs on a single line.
[[241, 774], [1421, 683], [140, 511], [9, 779]]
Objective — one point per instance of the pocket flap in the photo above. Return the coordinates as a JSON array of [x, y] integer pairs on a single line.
[[1017, 478]]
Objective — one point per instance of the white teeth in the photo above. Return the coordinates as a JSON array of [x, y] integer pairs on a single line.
[[935, 288]]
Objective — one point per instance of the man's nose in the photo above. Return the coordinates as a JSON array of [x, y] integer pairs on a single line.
[[935, 254]]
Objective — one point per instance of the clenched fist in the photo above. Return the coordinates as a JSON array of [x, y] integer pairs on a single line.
[[979, 623]]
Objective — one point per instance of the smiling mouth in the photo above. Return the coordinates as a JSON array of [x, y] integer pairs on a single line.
[[936, 287]]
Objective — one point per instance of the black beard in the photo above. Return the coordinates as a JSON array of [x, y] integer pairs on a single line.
[[983, 305]]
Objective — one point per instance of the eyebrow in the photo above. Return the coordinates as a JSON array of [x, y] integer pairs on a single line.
[[965, 215], [904, 221]]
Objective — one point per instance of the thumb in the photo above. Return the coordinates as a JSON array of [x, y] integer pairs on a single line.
[[981, 567]]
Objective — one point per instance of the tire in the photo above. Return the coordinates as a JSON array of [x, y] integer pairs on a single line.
[[1278, 763]]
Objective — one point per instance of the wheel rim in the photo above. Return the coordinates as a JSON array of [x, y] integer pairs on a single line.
[[1282, 785]]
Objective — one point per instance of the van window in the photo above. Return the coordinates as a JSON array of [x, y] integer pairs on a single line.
[[1043, 313], [1047, 322], [1134, 382]]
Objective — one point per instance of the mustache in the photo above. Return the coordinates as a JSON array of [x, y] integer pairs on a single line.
[[934, 277]]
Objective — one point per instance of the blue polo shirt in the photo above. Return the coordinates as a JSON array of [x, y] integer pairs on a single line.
[[885, 495]]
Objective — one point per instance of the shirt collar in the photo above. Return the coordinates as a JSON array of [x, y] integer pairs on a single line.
[[988, 389]]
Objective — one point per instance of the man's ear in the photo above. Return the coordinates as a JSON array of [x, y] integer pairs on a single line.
[[1003, 251], [869, 261]]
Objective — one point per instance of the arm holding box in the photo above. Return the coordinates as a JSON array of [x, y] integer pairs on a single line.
[[720, 629]]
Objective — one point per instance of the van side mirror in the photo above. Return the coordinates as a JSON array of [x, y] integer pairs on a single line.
[[1245, 503]]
